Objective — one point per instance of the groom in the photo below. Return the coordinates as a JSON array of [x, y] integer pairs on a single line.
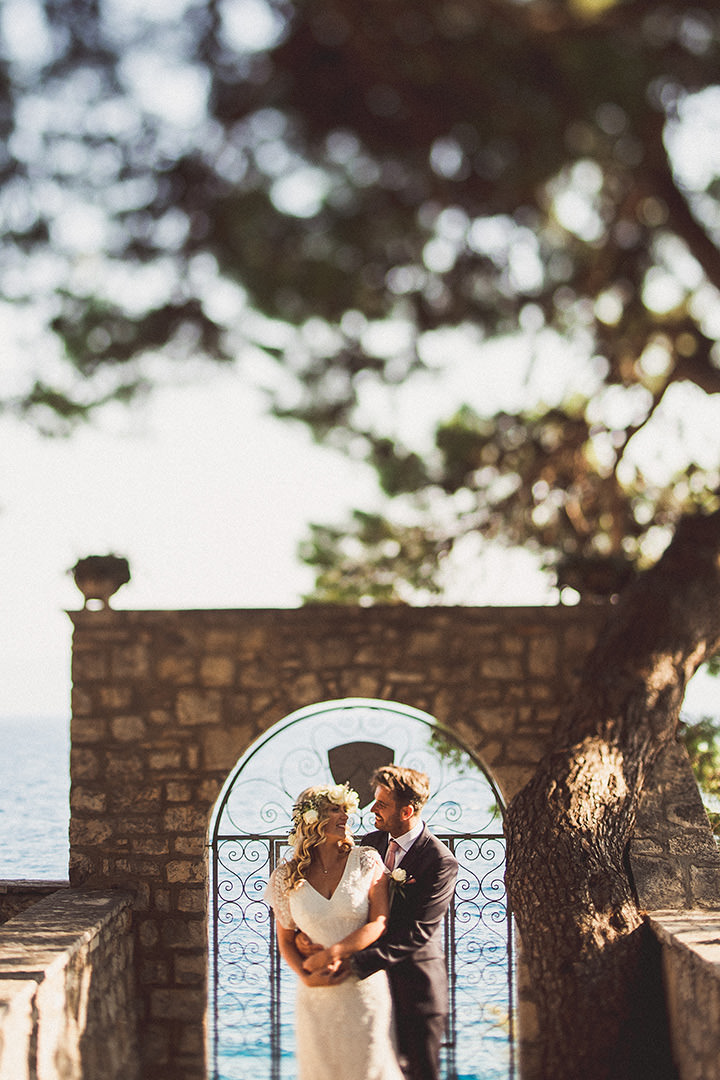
[[411, 949]]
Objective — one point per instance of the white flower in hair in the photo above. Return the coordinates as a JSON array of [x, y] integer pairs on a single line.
[[310, 816]]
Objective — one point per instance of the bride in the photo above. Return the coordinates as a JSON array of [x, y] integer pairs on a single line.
[[337, 894]]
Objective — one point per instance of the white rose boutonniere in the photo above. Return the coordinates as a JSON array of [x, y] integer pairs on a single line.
[[398, 881]]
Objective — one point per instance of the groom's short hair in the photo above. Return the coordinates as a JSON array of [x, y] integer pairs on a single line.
[[410, 787]]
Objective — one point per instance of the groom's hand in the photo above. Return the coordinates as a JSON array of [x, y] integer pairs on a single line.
[[341, 974], [316, 979], [305, 946]]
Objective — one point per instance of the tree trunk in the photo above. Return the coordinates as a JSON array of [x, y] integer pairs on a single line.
[[568, 830]]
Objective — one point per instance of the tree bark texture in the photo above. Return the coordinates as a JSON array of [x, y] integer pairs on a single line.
[[568, 830]]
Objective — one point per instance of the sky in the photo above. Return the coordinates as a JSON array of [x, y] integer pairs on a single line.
[[204, 494], [207, 497]]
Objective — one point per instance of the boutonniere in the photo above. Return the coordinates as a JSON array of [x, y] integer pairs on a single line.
[[398, 881]]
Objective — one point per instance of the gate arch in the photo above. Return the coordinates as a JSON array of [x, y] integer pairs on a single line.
[[251, 992]]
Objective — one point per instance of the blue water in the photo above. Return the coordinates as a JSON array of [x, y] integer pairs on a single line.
[[34, 798]]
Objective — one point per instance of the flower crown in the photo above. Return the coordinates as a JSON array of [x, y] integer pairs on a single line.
[[306, 812]]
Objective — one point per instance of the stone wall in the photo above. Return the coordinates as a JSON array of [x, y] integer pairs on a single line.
[[67, 1009], [165, 703], [673, 854]]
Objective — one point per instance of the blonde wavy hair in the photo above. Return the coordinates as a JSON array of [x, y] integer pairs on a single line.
[[310, 817]]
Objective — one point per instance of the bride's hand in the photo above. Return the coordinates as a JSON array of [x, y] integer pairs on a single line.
[[325, 961]]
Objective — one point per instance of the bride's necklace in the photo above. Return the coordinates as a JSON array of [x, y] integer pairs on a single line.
[[322, 865]]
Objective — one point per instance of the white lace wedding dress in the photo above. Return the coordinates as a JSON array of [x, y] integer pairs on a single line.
[[342, 1032]]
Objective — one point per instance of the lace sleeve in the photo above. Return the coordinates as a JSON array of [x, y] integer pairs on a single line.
[[278, 897], [369, 859]]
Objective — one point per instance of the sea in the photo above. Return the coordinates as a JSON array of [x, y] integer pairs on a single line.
[[34, 798]]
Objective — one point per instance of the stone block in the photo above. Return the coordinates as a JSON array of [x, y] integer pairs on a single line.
[[165, 759], [123, 768], [178, 791], [127, 728], [177, 1004], [217, 671], [185, 871], [150, 845], [91, 833], [115, 697], [190, 845], [543, 656], [221, 641], [199, 708], [354, 684], [89, 666], [136, 867], [307, 688], [190, 968], [154, 972], [253, 675], [85, 799], [192, 1041], [184, 933], [503, 668], [162, 718], [139, 798], [178, 670], [185, 819], [496, 721], [88, 730], [162, 900], [82, 702], [221, 748], [84, 764], [658, 883], [705, 888], [252, 641], [148, 933], [130, 662], [192, 900]]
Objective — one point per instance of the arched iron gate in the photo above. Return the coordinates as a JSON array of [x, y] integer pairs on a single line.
[[251, 1006]]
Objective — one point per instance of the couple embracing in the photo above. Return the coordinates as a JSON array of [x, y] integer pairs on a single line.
[[361, 925]]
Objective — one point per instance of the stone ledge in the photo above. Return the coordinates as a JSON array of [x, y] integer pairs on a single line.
[[696, 932], [690, 946], [17, 896], [66, 989]]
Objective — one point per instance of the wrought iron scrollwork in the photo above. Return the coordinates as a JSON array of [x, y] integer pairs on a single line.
[[252, 992]]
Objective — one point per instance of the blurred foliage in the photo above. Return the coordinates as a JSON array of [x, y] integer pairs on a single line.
[[372, 194], [702, 741], [403, 561]]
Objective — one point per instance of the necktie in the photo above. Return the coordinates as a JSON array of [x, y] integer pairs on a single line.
[[392, 853]]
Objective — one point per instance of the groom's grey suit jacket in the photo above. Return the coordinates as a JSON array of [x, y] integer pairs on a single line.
[[411, 948]]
